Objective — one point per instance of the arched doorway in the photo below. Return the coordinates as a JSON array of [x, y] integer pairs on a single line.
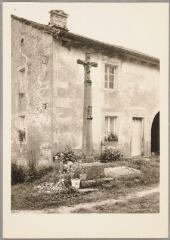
[[155, 136]]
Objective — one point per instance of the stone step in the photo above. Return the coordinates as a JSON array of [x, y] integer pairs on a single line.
[[87, 190], [94, 182]]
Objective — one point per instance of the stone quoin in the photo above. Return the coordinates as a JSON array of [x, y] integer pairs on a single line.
[[49, 93]]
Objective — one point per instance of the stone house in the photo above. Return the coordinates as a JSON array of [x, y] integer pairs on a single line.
[[48, 92]]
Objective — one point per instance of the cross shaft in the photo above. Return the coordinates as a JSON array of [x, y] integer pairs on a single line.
[[87, 111]]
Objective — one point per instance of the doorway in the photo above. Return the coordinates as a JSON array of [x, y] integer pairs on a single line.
[[137, 137], [155, 135]]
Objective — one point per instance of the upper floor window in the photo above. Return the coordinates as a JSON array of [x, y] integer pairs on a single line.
[[110, 76]]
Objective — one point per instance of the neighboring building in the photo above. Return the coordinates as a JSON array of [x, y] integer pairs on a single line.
[[47, 92]]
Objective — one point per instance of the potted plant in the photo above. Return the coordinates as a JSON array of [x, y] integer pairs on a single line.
[[75, 183], [111, 137]]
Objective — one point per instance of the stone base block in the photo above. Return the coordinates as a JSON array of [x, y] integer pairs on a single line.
[[120, 171], [97, 170], [94, 182]]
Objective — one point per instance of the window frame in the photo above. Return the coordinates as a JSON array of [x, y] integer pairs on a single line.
[[108, 129], [108, 74]]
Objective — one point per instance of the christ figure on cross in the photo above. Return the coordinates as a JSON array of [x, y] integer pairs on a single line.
[[87, 110]]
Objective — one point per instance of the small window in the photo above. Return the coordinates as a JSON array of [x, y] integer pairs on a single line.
[[110, 76], [21, 129], [21, 102], [111, 128], [22, 41]]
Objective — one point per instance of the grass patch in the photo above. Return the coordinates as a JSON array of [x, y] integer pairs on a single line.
[[24, 196], [147, 204]]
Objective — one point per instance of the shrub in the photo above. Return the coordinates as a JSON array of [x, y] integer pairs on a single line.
[[32, 170], [67, 155], [67, 166], [18, 174], [30, 173], [43, 171], [110, 154]]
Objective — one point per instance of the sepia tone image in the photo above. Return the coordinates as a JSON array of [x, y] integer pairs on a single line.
[[85, 135]]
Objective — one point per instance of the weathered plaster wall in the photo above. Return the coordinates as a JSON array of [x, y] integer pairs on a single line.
[[141, 93], [137, 94], [35, 54], [67, 98], [53, 104]]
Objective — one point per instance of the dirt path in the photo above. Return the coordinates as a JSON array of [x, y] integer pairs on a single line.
[[138, 194], [85, 206]]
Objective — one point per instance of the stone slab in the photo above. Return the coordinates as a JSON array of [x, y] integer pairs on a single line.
[[96, 170], [120, 171], [94, 182]]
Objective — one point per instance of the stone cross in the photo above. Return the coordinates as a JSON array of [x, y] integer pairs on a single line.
[[87, 110]]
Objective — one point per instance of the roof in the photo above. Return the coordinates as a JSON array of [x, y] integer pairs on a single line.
[[79, 40]]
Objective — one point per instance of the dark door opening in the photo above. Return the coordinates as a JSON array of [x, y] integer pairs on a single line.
[[155, 135]]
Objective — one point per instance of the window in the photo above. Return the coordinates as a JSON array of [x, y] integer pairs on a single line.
[[21, 129], [110, 76], [111, 128], [21, 89], [22, 102]]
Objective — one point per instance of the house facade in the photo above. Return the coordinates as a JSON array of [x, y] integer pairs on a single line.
[[48, 93]]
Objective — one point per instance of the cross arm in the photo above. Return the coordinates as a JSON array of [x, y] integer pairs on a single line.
[[80, 62], [93, 64]]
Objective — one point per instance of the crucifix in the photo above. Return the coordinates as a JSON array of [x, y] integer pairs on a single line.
[[87, 110]]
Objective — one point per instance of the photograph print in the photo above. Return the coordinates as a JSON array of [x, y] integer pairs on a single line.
[[85, 109]]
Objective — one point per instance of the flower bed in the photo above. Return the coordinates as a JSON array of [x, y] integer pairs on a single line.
[[68, 167]]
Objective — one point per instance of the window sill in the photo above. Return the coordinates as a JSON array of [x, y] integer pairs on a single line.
[[22, 144], [110, 90], [111, 143]]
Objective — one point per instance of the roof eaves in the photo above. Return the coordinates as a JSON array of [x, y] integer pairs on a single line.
[[59, 34], [36, 25], [122, 50]]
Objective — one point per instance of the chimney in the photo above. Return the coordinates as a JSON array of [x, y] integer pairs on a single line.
[[58, 19]]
